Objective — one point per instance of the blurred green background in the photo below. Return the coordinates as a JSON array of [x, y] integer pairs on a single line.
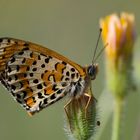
[[69, 27]]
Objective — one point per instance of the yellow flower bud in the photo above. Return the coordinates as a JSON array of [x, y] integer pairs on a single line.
[[119, 33]]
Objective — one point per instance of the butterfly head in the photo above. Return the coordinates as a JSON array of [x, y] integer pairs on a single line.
[[92, 71]]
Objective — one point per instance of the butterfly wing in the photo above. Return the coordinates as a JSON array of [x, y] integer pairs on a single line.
[[9, 46], [36, 76]]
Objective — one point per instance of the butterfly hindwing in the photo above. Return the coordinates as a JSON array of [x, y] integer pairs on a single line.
[[36, 76], [37, 80]]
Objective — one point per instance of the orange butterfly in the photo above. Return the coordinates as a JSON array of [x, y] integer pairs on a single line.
[[38, 77]]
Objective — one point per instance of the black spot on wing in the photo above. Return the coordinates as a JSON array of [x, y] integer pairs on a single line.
[[24, 94], [25, 49], [19, 96], [68, 73], [47, 60], [67, 79], [8, 40], [72, 69], [39, 86], [44, 84], [31, 54], [34, 100], [31, 74], [62, 77], [25, 75], [52, 97], [9, 69], [54, 87], [9, 79], [45, 101], [21, 53], [64, 63], [28, 68], [13, 87], [34, 69], [18, 100], [56, 65], [26, 44], [40, 96], [43, 65], [72, 75], [34, 63], [59, 91], [17, 67], [12, 60], [23, 61], [35, 81], [39, 58]]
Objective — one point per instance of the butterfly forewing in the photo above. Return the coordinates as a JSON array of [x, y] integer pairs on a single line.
[[36, 76]]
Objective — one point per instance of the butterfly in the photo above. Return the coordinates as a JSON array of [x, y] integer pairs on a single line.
[[37, 77]]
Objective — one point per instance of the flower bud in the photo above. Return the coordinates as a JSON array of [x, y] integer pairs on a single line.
[[119, 33], [81, 116]]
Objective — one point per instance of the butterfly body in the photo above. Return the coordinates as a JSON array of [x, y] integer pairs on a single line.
[[38, 77]]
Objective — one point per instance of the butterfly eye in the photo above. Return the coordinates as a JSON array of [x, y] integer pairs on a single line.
[[92, 71]]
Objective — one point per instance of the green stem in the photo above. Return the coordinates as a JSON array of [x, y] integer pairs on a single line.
[[117, 119]]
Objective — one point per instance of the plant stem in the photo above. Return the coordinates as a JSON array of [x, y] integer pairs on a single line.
[[117, 119]]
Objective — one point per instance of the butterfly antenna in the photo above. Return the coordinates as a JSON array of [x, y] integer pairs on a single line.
[[101, 52], [96, 45]]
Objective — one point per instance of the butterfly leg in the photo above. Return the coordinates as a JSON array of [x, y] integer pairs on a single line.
[[90, 98], [88, 102], [30, 114], [65, 108]]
